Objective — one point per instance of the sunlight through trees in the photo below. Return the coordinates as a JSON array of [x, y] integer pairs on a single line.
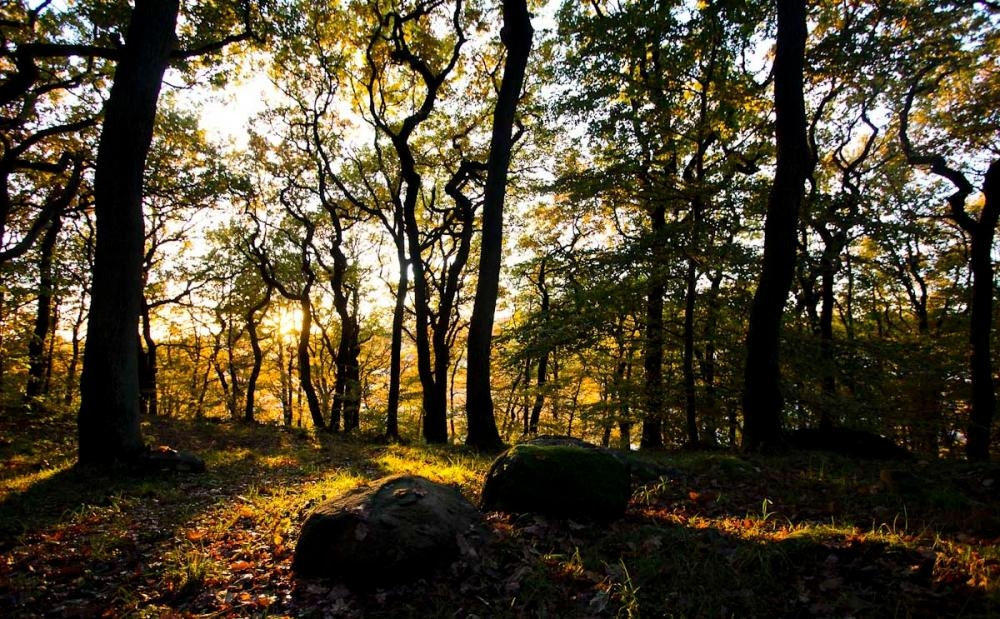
[[645, 223]]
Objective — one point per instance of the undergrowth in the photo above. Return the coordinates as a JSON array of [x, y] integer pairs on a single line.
[[717, 535]]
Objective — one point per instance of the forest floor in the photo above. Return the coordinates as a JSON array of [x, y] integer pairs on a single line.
[[724, 535]]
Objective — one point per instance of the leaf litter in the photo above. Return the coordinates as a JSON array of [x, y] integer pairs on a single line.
[[800, 535]]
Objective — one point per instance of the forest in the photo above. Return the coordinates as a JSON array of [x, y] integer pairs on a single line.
[[295, 237], [330, 263]]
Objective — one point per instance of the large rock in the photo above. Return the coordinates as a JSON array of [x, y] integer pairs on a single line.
[[561, 480], [847, 442], [393, 530], [642, 470]]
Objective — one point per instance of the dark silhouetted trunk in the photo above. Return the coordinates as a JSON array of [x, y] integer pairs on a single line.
[[981, 234], [74, 357], [762, 399], [690, 402], [517, 36], [346, 389], [828, 380], [652, 422], [39, 363], [148, 404], [258, 354], [396, 343], [981, 321], [543, 360], [108, 420], [710, 333], [305, 363], [435, 425], [286, 369]]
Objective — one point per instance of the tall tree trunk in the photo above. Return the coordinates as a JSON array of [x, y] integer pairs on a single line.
[[828, 376], [229, 377], [441, 368], [225, 375], [762, 399], [543, 361], [339, 388], [305, 363], [352, 390], [347, 391], [690, 402], [108, 420], [258, 354], [38, 361], [539, 403], [285, 384], [257, 363], [396, 343], [517, 36], [74, 357], [435, 424], [981, 321], [652, 363], [148, 404], [710, 435], [981, 232], [525, 401]]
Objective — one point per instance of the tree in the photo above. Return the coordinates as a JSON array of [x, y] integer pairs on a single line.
[[981, 232], [296, 235], [48, 108], [396, 31], [429, 139], [955, 69], [672, 115], [762, 399], [183, 175], [108, 420], [240, 298], [516, 35], [39, 361]]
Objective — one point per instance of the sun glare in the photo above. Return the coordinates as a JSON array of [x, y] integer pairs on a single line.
[[286, 321]]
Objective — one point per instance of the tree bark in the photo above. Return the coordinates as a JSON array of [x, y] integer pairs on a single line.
[[108, 419], [543, 360], [148, 404], [517, 36], [435, 426], [305, 362], [828, 271], [38, 362], [981, 321], [258, 354], [652, 363], [690, 400], [762, 399], [396, 343]]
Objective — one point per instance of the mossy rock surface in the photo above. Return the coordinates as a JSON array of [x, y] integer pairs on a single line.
[[563, 481]]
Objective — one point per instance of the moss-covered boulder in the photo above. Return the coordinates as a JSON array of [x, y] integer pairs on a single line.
[[391, 531], [847, 442], [564, 481]]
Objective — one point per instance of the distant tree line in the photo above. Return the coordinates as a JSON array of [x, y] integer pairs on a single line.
[[648, 223]]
